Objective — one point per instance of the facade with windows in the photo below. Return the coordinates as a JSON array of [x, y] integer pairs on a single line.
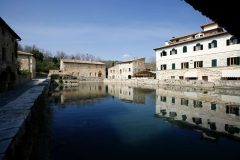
[[83, 70], [8, 56], [212, 54], [27, 63], [126, 69]]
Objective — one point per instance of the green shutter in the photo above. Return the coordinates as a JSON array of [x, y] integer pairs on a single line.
[[184, 49], [228, 42], [228, 61], [215, 43], [238, 60], [209, 45], [173, 65], [214, 63]]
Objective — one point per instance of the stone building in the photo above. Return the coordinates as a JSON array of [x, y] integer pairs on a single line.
[[206, 110], [83, 70], [8, 55], [126, 69], [209, 55], [27, 62]]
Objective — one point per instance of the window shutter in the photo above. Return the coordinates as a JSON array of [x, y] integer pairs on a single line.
[[201, 47], [194, 64], [238, 60], [228, 42], [228, 61], [187, 65], [184, 49], [194, 48], [214, 63], [209, 45], [215, 44], [173, 66]]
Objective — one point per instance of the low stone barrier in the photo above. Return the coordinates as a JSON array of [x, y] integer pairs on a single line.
[[15, 115], [142, 82]]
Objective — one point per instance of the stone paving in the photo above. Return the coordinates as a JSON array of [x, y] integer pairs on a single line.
[[14, 113]]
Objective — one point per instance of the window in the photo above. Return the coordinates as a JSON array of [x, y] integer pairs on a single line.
[[213, 106], [173, 100], [3, 54], [172, 77], [197, 120], [163, 99], [163, 67], [205, 78], [198, 64], [163, 53], [232, 109], [173, 65], [198, 47], [213, 44], [173, 51], [129, 69], [184, 65], [233, 61], [233, 40], [184, 117], [197, 104], [185, 49], [181, 77], [184, 102], [214, 62]]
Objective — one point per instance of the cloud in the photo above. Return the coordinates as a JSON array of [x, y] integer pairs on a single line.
[[126, 56]]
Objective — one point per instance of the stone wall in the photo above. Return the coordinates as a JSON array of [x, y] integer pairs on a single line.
[[8, 65], [152, 83], [84, 70]]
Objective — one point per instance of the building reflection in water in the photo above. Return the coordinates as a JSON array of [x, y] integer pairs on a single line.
[[90, 92], [85, 92], [213, 113], [128, 93]]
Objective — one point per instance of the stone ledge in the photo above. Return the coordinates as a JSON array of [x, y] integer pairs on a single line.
[[14, 115]]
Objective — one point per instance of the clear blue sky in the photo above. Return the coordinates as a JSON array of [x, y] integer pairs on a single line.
[[110, 29]]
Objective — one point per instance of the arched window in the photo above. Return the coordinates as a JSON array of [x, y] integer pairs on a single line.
[[173, 51], [198, 47], [163, 53], [213, 44], [184, 49], [232, 40]]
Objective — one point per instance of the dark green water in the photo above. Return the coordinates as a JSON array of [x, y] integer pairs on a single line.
[[95, 121]]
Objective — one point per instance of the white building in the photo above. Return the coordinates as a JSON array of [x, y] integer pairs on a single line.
[[212, 54], [126, 69]]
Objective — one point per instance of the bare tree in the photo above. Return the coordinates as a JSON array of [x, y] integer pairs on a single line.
[[61, 54]]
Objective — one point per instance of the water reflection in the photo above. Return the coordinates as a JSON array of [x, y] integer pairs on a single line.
[[210, 112], [128, 93], [85, 92]]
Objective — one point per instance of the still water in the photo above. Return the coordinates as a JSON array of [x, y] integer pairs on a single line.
[[97, 121]]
